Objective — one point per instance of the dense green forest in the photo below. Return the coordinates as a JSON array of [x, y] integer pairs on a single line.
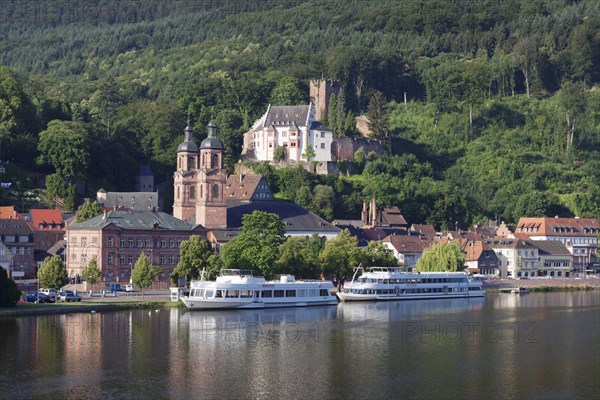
[[501, 117]]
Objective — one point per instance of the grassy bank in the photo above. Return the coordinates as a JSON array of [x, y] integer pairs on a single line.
[[21, 310]]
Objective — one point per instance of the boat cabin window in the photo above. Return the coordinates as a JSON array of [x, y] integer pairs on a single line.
[[246, 293], [301, 293], [290, 293], [209, 293], [323, 292], [312, 292], [267, 293], [233, 293], [277, 293], [219, 293]]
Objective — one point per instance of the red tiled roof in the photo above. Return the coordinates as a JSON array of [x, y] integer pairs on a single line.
[[407, 244], [557, 227], [8, 212], [47, 219], [425, 230]]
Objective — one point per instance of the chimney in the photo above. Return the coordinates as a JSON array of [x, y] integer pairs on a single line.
[[104, 216], [373, 212], [363, 214]]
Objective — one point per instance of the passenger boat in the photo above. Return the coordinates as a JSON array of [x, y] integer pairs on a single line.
[[393, 284], [236, 288]]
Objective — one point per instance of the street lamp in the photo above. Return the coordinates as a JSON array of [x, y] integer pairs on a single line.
[[130, 273]]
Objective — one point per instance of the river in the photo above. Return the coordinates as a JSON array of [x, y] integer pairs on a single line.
[[539, 345]]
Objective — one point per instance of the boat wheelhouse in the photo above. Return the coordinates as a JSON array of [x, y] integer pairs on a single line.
[[380, 283], [236, 288]]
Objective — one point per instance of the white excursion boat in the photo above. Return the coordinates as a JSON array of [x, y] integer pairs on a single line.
[[394, 284], [240, 289]]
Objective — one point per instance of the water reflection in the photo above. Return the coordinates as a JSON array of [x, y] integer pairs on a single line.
[[506, 345]]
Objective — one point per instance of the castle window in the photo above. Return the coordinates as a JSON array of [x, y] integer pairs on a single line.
[[177, 191], [214, 161], [192, 193], [322, 134], [201, 191], [215, 191], [322, 145]]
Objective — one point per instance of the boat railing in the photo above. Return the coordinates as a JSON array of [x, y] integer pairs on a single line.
[[237, 272]]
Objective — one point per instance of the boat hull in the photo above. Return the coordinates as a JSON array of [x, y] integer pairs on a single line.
[[429, 296], [204, 304]]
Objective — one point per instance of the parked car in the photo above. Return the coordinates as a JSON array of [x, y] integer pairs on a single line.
[[51, 293], [129, 288], [36, 297], [69, 296], [115, 287]]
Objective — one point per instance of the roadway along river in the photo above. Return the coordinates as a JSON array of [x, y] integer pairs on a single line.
[[539, 345]]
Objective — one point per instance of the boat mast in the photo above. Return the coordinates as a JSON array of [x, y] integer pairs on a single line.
[[356, 271], [202, 276]]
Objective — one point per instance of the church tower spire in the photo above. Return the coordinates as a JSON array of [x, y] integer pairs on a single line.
[[184, 179], [211, 208]]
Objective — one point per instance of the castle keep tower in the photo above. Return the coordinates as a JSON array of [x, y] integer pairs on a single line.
[[320, 92]]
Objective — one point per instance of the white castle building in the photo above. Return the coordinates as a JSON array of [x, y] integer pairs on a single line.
[[293, 128]]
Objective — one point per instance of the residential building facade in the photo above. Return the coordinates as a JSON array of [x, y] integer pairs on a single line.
[[117, 239], [579, 235], [17, 237]]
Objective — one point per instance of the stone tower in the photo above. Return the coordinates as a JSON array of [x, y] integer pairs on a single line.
[[211, 208], [184, 179], [320, 92]]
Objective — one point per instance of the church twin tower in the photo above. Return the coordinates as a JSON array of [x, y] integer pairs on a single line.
[[199, 181]]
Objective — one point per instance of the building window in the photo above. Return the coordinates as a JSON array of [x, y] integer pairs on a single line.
[[139, 242], [163, 243], [171, 259], [178, 242], [109, 258], [130, 259], [94, 239], [171, 243], [215, 191], [83, 241], [110, 242], [163, 259], [322, 145], [131, 242], [322, 134], [293, 144], [147, 242], [122, 242], [192, 193], [122, 260]]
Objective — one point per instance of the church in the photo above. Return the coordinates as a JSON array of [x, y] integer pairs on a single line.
[[205, 195]]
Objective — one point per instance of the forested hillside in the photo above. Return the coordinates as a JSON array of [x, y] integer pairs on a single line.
[[501, 115]]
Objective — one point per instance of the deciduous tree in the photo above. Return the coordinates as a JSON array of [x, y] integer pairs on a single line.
[[195, 256], [144, 272], [89, 209], [91, 273], [340, 256], [257, 246], [378, 255], [442, 257], [53, 274]]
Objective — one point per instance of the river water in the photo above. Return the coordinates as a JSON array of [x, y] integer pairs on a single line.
[[539, 345]]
